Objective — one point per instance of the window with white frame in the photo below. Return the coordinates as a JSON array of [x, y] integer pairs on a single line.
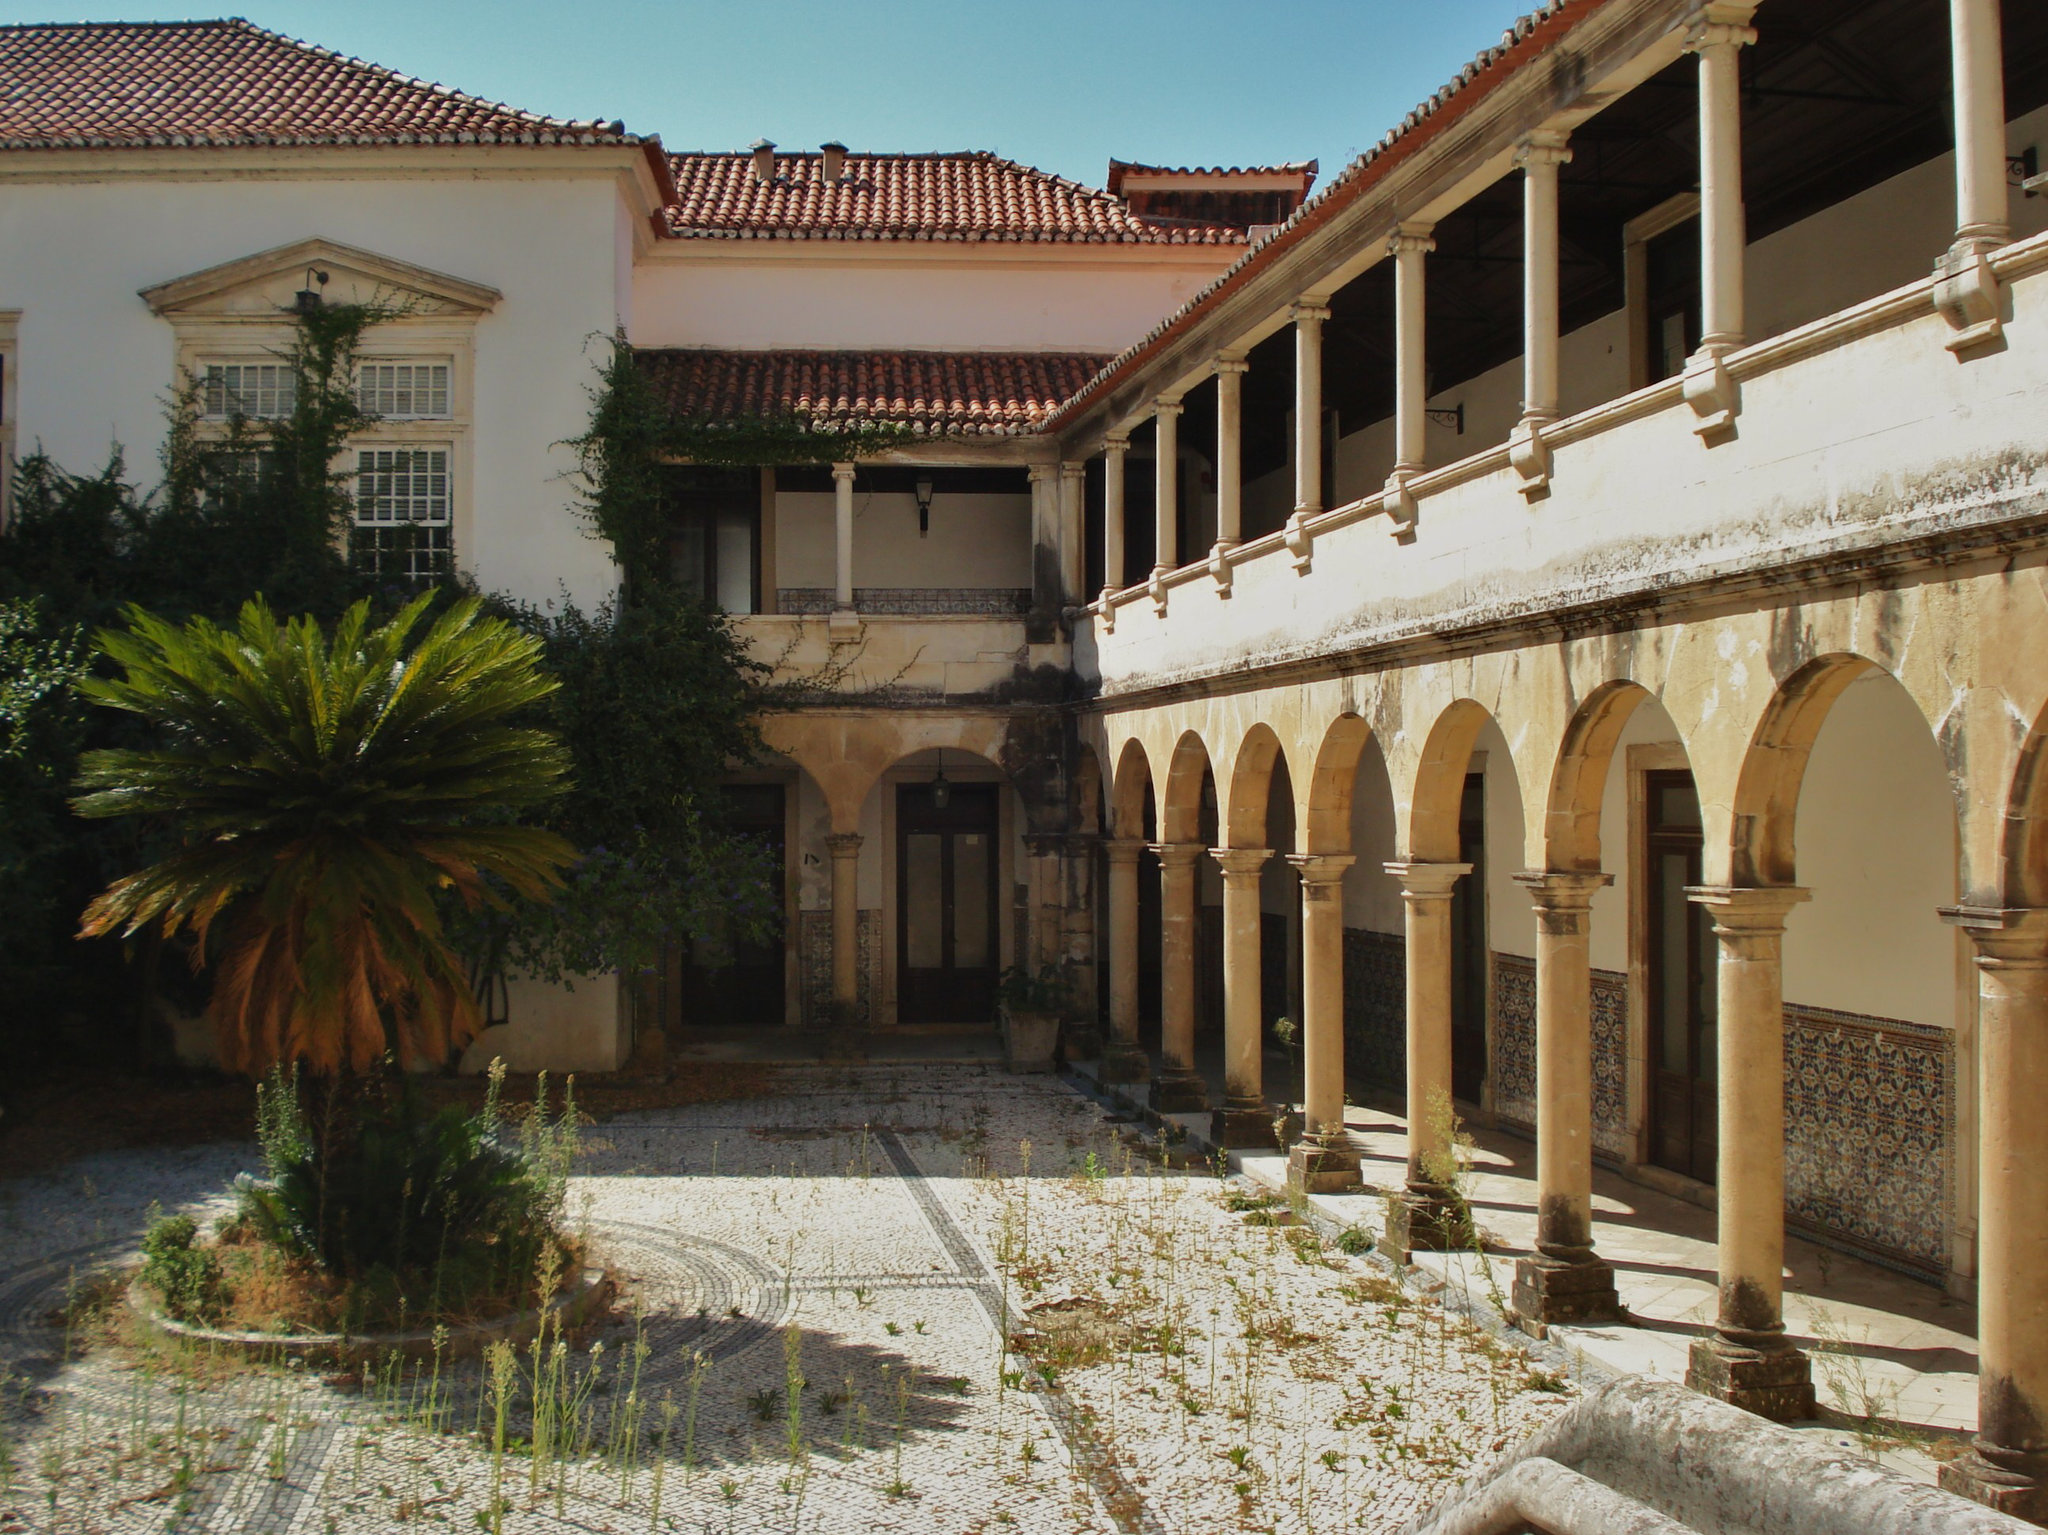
[[404, 512], [404, 391], [257, 391]]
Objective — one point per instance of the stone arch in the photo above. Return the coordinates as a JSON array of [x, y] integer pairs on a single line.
[[1578, 782], [849, 756], [1088, 805], [1440, 781], [1760, 847], [1250, 788], [1129, 789], [1324, 811], [1180, 807]]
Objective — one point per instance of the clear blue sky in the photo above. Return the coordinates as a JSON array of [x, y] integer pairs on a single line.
[[1062, 84]]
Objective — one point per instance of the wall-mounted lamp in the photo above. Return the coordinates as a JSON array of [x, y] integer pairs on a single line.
[[923, 491], [309, 299], [1453, 418], [942, 787]]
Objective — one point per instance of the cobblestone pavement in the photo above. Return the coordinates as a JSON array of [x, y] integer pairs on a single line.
[[816, 1292]]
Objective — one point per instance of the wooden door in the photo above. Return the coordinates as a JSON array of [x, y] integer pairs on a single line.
[[946, 912], [1682, 1001]]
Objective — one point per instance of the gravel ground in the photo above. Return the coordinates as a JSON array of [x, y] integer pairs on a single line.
[[815, 1291]]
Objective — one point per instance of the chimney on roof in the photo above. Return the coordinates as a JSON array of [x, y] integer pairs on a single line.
[[764, 160], [835, 159]]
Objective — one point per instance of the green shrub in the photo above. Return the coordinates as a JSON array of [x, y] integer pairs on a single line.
[[184, 1276], [1355, 1241]]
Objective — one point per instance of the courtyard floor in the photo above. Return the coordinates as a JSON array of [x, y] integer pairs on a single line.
[[925, 1297]]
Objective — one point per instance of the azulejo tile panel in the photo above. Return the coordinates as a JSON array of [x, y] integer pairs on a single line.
[[1375, 1007], [910, 601], [1870, 1132], [1610, 1064], [1514, 1050], [817, 962]]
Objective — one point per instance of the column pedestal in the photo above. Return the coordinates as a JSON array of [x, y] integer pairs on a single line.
[[1323, 1161], [1748, 1361], [1178, 1089], [2007, 1466], [1122, 1061]]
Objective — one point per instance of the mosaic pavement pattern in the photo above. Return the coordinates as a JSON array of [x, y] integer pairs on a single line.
[[818, 1290]]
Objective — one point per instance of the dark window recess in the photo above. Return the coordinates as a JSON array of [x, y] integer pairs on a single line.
[[946, 904], [1469, 959], [1683, 1011], [714, 543], [1673, 299]]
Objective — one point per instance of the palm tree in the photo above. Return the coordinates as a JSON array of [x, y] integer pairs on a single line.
[[328, 796]]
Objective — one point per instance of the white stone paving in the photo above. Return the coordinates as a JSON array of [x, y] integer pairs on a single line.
[[886, 1215]]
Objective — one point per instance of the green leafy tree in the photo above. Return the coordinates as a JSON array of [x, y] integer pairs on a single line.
[[328, 797]]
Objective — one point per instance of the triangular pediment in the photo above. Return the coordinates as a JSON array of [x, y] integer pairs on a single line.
[[265, 285]]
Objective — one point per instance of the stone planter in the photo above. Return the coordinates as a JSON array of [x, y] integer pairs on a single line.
[[1029, 1039], [581, 1300]]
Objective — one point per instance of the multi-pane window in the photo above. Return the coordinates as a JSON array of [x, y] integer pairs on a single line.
[[403, 389], [257, 390], [403, 513]]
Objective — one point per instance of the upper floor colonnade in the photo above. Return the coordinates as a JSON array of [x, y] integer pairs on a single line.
[[1966, 293]]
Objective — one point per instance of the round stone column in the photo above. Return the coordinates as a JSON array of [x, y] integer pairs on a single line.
[[1429, 1207], [1178, 1089], [1565, 1281], [845, 849], [2007, 1467], [1244, 1120], [1122, 1058], [1324, 1161], [1748, 1360]]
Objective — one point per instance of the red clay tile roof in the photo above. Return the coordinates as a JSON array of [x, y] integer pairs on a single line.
[[226, 83], [970, 196], [1118, 169], [939, 394]]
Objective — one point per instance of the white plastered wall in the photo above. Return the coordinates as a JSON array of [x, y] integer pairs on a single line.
[[975, 540]]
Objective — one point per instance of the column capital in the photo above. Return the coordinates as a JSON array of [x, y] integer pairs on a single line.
[[1411, 238], [844, 844], [1045, 844], [1562, 889], [1240, 862], [1039, 474], [1312, 313], [1748, 910], [1070, 470], [1116, 442], [1123, 849], [1225, 365], [1166, 407], [1423, 881], [1543, 147], [844, 473], [1177, 855], [1720, 23], [2003, 935], [1320, 872]]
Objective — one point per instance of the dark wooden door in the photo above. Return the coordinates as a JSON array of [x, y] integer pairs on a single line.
[[946, 904], [719, 979], [1683, 1038], [1469, 967]]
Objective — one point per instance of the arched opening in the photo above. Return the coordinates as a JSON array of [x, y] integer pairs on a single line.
[[1878, 994]]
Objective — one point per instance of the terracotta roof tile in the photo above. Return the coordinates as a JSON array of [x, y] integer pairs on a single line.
[[948, 394], [227, 83], [969, 196]]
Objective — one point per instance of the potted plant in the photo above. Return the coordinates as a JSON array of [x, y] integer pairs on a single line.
[[1031, 1004]]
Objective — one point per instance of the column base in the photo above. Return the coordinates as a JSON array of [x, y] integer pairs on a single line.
[[2018, 1488], [1550, 1291], [842, 626], [1317, 1167], [1428, 1220], [1179, 1091], [1122, 1064], [1775, 1383], [1243, 1127]]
